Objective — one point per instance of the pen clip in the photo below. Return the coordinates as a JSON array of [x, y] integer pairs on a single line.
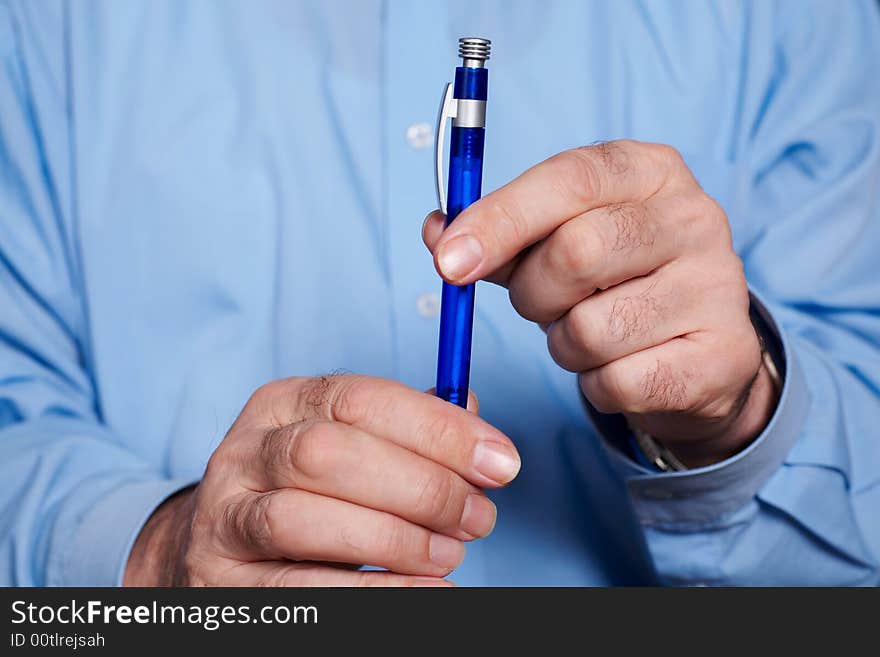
[[448, 110]]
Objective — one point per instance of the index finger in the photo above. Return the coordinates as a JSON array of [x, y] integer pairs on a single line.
[[422, 423], [492, 231]]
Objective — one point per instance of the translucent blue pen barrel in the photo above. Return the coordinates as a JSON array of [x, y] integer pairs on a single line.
[[457, 304]]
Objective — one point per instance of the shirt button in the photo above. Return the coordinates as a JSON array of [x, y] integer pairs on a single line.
[[420, 135], [428, 305]]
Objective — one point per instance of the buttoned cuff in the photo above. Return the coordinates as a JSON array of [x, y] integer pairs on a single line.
[[100, 547], [703, 496]]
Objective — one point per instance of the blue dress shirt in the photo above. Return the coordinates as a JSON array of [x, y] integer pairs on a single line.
[[199, 197]]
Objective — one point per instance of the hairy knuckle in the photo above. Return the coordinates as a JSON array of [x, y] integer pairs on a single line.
[[615, 155], [633, 317], [316, 396], [631, 226], [662, 390], [274, 450], [248, 521]]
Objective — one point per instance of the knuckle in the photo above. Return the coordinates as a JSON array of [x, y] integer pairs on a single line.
[[394, 541], [310, 452], [667, 153], [264, 393], [318, 395], [708, 221], [600, 387], [579, 176], [632, 227], [443, 428], [662, 390], [513, 224], [219, 463], [263, 402], [632, 317], [575, 251], [558, 341], [248, 521], [615, 155], [439, 499], [274, 449], [578, 331]]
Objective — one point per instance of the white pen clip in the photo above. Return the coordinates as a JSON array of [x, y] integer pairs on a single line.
[[448, 110]]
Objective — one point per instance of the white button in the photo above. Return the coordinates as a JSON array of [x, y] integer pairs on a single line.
[[420, 135], [428, 305]]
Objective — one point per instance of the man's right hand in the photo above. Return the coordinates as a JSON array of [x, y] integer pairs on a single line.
[[318, 476]]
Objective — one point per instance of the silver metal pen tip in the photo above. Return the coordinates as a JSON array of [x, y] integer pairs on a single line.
[[474, 51]]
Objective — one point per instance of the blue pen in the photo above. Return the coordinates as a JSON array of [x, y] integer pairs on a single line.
[[465, 103]]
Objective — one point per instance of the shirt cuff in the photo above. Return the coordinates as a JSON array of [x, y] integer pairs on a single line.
[[100, 547], [702, 496]]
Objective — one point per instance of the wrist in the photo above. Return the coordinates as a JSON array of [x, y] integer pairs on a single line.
[[155, 558]]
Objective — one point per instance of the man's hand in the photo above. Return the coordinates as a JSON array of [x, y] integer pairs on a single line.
[[629, 266], [318, 476]]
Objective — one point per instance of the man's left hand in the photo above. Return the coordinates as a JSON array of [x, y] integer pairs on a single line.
[[628, 265]]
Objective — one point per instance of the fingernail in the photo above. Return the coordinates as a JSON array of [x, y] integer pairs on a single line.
[[496, 461], [459, 257], [428, 219], [445, 551], [478, 517]]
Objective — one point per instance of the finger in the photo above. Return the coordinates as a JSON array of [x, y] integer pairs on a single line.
[[432, 228], [596, 251], [628, 318], [342, 461], [473, 403], [286, 574], [424, 424], [684, 375], [492, 231], [302, 526]]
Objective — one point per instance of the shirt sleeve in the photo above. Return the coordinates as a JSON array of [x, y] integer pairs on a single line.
[[72, 498], [799, 505]]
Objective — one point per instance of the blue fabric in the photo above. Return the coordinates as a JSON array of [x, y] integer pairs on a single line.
[[199, 197]]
